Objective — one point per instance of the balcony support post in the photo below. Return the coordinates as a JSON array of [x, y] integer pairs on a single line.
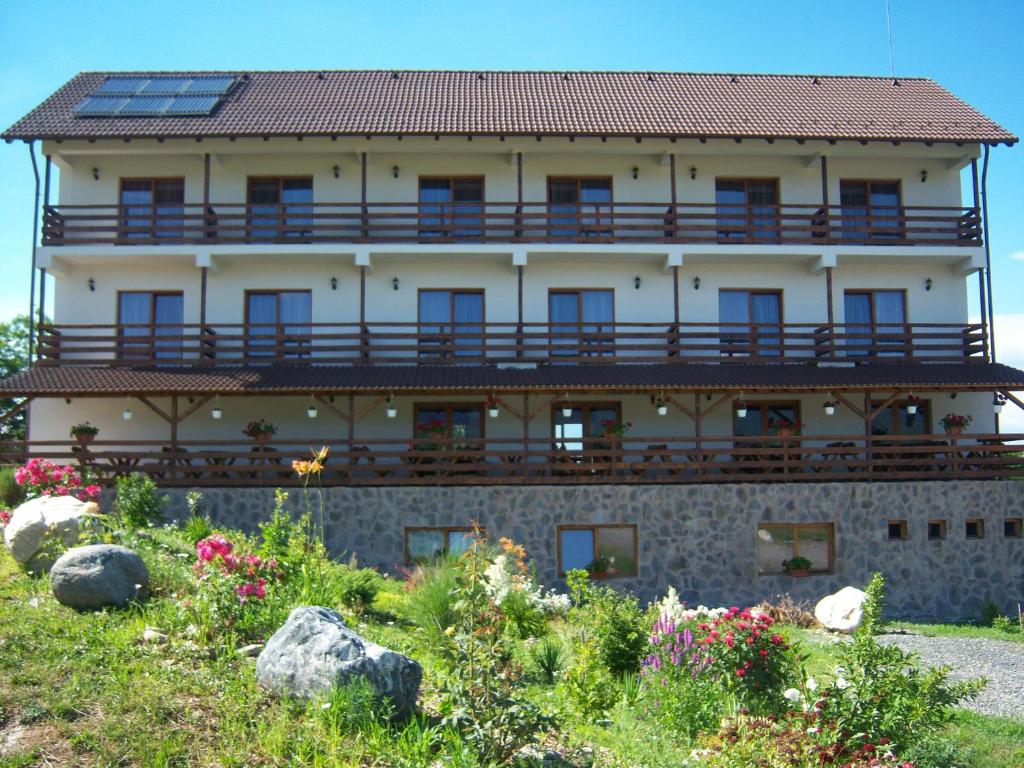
[[365, 229], [351, 424], [519, 195], [525, 461], [364, 347], [981, 273], [174, 437], [831, 311], [698, 421], [868, 416], [202, 299]]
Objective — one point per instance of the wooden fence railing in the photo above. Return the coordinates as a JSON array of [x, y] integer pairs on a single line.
[[495, 343], [541, 461], [498, 222]]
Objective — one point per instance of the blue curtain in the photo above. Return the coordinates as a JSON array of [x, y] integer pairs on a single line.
[[577, 549]]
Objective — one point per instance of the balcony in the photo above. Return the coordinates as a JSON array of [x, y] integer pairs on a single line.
[[660, 459], [497, 344], [534, 222]]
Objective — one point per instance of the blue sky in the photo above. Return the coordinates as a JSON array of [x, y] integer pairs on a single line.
[[974, 54]]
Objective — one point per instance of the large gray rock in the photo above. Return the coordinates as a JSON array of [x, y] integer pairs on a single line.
[[315, 650], [57, 520], [99, 575], [842, 611]]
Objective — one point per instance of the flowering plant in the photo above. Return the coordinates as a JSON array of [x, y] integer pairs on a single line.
[[783, 426], [85, 428], [259, 427], [41, 477], [798, 563], [613, 428], [5, 517], [953, 421]]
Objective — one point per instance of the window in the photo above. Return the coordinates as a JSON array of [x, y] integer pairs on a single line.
[[578, 321], [580, 207], [280, 208], [974, 528], [777, 543], [747, 209], [278, 323], [898, 530], [1012, 527], [895, 419], [604, 550], [752, 322], [455, 421], [586, 421], [763, 419], [424, 545], [454, 322], [875, 323], [451, 207], [152, 208], [155, 318], [936, 530], [871, 210]]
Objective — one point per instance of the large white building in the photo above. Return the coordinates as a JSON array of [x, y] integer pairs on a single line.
[[518, 279]]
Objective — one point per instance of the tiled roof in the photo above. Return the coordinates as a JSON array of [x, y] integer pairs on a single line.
[[641, 104], [312, 379]]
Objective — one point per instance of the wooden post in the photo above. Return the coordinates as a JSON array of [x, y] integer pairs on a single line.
[[981, 273], [520, 341], [526, 437], [867, 432], [824, 197], [519, 195], [698, 433], [672, 191], [202, 302], [364, 348], [362, 197], [174, 437], [831, 313], [351, 424]]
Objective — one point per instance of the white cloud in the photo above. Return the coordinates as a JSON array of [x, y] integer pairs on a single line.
[[1009, 337], [1017, 255]]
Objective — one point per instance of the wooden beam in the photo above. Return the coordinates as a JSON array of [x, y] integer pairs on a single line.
[[727, 396], [15, 411], [326, 403], [352, 421], [504, 404], [889, 401], [373, 404], [156, 409], [1012, 398], [545, 404], [195, 407], [681, 407], [838, 396]]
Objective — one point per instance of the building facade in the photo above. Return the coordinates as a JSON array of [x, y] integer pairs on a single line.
[[561, 302]]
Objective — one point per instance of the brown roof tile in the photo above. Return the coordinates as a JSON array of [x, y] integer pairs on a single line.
[[302, 379], [549, 103]]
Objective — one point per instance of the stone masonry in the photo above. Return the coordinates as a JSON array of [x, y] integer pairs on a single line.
[[701, 539]]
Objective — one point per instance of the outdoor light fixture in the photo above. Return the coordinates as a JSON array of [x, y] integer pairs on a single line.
[[334, 283], [126, 414], [337, 171], [927, 283], [394, 283], [693, 172], [394, 171], [661, 406], [96, 174], [567, 409], [830, 408], [636, 173], [741, 408], [312, 412], [391, 411], [911, 405], [217, 413], [636, 282], [696, 283], [492, 407], [92, 284], [924, 176], [998, 401]]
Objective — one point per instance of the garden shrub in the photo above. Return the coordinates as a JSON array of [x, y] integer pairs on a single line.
[[548, 656], [588, 685], [41, 477], [431, 600], [989, 613], [137, 503], [356, 588], [522, 617], [615, 621], [11, 492]]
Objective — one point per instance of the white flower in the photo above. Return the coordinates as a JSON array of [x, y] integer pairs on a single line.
[[812, 684], [842, 683], [812, 730], [792, 694]]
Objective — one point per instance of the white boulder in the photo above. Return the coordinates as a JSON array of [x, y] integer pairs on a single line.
[[842, 611], [46, 519]]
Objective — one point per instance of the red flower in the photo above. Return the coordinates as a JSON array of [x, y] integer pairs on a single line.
[[741, 672]]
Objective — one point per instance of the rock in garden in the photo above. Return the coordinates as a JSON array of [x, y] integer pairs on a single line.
[[34, 524], [842, 611], [99, 575], [315, 651]]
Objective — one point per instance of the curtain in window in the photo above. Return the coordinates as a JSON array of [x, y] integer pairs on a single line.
[[763, 211], [170, 197], [296, 316], [434, 194], [264, 214], [733, 307], [262, 314], [297, 207], [889, 318], [730, 209], [857, 309], [435, 318], [767, 319], [468, 309], [885, 208], [562, 199], [134, 316], [564, 315], [598, 312], [853, 199], [595, 205], [577, 549], [168, 315]]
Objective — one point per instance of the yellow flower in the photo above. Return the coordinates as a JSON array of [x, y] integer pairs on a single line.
[[301, 467], [314, 466]]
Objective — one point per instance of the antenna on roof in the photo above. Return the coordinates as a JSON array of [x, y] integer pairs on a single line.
[[888, 28]]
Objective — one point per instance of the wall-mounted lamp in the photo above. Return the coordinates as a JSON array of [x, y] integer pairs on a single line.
[[693, 172], [636, 282], [924, 176], [394, 171], [696, 283], [392, 410], [394, 283], [337, 171], [636, 173], [334, 283], [998, 401], [96, 174], [927, 283], [741, 408], [92, 284]]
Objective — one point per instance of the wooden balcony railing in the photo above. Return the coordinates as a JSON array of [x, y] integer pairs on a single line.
[[540, 461], [537, 222], [500, 343]]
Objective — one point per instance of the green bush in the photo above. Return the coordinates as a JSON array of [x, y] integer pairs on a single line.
[[548, 658], [11, 494], [430, 604], [588, 685], [615, 621], [522, 617], [989, 613], [138, 504], [356, 587]]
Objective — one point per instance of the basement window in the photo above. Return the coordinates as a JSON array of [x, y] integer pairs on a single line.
[[974, 529]]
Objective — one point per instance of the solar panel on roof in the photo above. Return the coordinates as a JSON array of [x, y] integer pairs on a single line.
[[156, 96]]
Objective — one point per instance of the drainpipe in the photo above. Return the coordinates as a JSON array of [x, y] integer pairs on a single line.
[[35, 234], [988, 254]]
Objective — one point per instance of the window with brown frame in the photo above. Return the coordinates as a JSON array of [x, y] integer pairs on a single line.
[[896, 419], [578, 321], [876, 323], [152, 208], [155, 318], [424, 545], [897, 530], [585, 421], [277, 323], [579, 206], [936, 530], [871, 210], [1012, 527], [451, 322], [974, 528], [764, 419], [451, 207], [448, 421], [602, 550], [752, 322], [747, 209], [280, 208], [778, 542]]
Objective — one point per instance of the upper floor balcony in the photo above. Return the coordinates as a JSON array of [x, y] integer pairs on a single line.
[[728, 223]]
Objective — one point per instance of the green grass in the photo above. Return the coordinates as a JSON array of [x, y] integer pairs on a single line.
[[989, 742], [955, 630]]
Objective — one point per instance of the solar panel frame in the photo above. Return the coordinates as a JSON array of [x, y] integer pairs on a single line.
[[120, 86], [164, 86], [156, 96], [100, 106]]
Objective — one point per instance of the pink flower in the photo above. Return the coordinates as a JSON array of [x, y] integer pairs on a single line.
[[251, 589], [741, 672]]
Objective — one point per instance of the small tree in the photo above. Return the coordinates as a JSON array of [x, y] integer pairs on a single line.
[[13, 359]]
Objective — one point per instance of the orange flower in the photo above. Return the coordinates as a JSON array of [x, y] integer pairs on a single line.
[[313, 467]]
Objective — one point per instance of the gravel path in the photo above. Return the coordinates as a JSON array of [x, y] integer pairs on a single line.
[[1000, 661]]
